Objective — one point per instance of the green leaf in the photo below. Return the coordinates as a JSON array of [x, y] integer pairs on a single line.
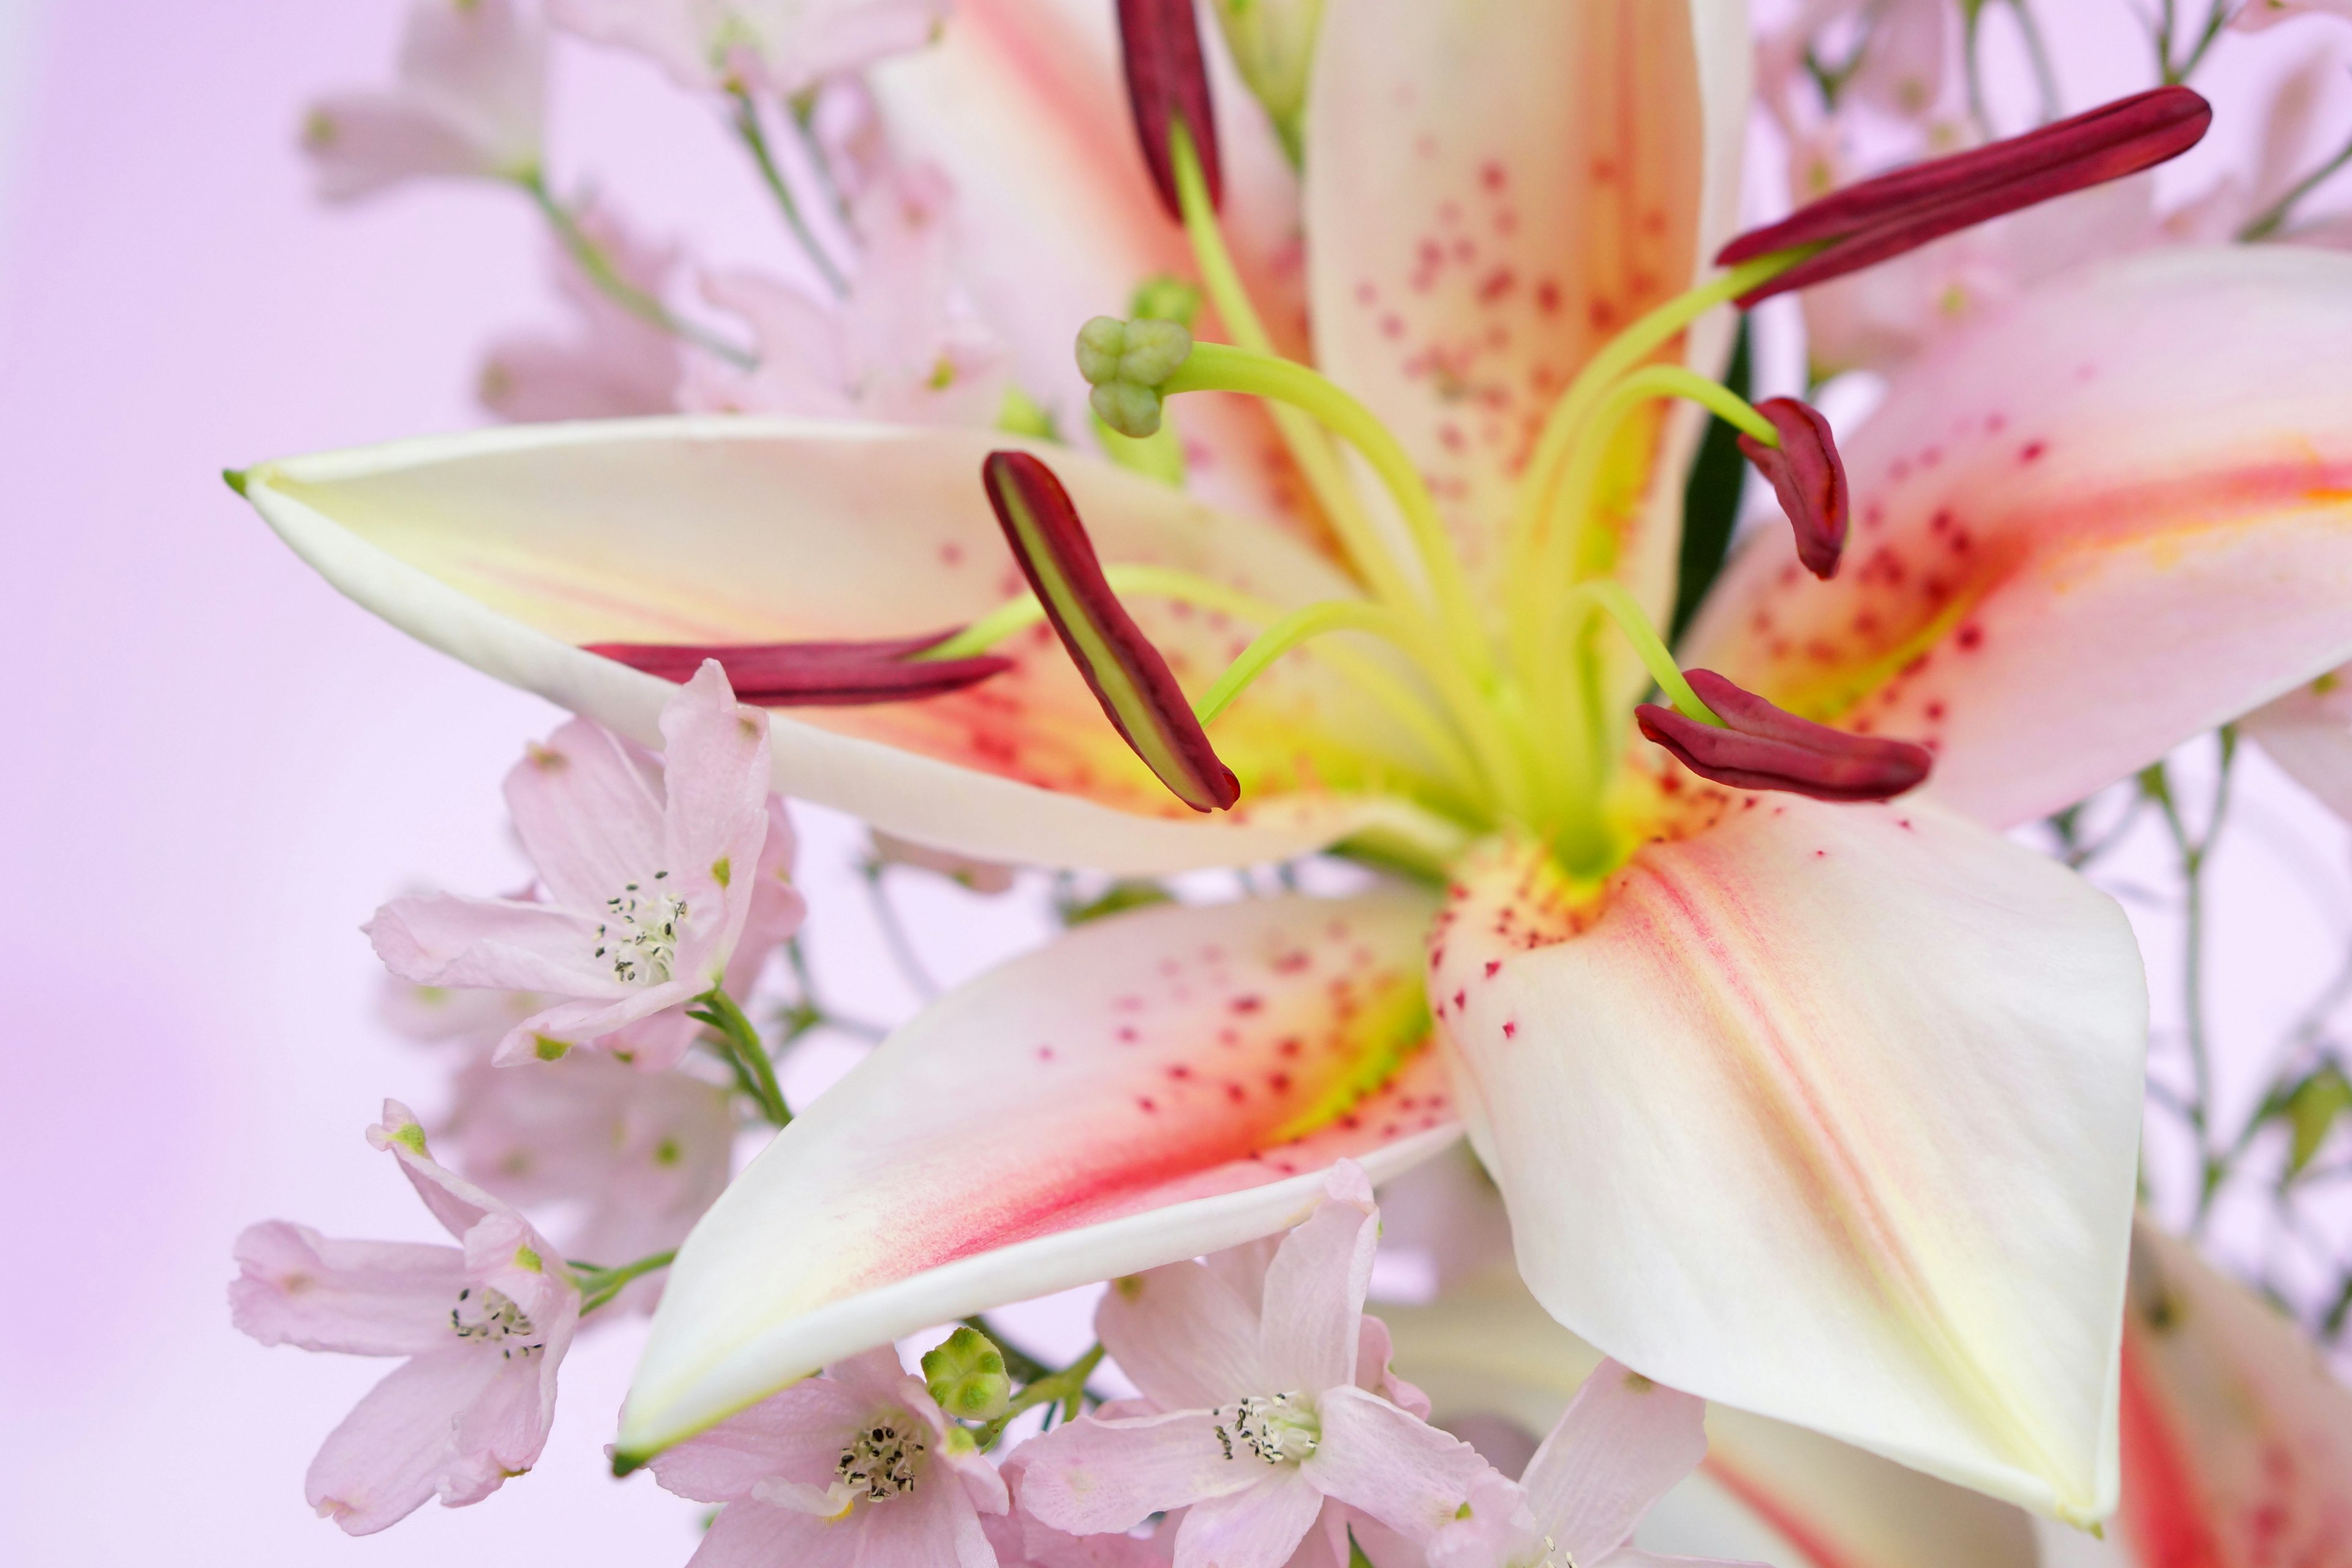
[[1711, 499]]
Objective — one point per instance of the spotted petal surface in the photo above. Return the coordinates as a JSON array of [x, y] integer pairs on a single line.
[[1187, 1072], [2104, 520], [511, 548], [1824, 1111]]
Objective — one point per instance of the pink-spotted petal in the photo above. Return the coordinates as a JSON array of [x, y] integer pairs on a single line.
[[511, 548], [1812, 1087], [2107, 518], [1490, 203], [1199, 1068], [2237, 1438]]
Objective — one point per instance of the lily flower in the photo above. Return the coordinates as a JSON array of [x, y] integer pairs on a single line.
[[1825, 1109]]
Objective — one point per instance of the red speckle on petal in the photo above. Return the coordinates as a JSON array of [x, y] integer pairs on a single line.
[[1510, 1029]]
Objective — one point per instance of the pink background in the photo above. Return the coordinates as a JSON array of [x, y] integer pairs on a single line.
[[217, 767]]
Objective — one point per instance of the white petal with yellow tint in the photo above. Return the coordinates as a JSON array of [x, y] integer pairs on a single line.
[[1826, 1112], [1767, 1489], [509, 548], [1151, 1086], [1497, 187], [2104, 520], [2236, 1435]]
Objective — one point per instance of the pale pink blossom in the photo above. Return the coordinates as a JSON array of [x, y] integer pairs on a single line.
[[484, 1326], [1254, 1412], [857, 1468], [634, 1157], [650, 871], [1623, 1442], [782, 45], [2256, 14], [616, 364], [899, 347], [2308, 733], [978, 876], [1022, 1539], [468, 100]]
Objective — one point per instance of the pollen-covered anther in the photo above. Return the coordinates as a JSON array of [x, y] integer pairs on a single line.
[[1808, 477], [1167, 86], [1276, 1430], [1130, 678], [1125, 363], [1872, 220], [814, 674], [1759, 746], [882, 1461]]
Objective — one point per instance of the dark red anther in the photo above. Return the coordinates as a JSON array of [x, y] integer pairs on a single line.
[[1808, 476], [1763, 747], [1870, 221], [1168, 83], [1130, 678], [814, 674]]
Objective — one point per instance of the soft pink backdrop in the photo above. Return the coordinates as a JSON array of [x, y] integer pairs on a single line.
[[217, 768]]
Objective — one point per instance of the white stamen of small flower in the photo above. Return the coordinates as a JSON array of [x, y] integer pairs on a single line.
[[1280, 1430], [884, 1460], [492, 1316], [639, 933]]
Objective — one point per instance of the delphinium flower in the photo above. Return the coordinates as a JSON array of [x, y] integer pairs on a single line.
[[2256, 14], [652, 872], [1253, 1417], [782, 46], [1713, 1039], [856, 1468], [484, 1325], [2308, 733], [613, 363], [468, 104]]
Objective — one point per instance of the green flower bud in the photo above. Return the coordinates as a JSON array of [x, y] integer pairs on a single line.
[[1272, 44], [965, 1373], [1165, 297]]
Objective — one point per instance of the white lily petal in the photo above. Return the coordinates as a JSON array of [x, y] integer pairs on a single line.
[[1191, 1073]]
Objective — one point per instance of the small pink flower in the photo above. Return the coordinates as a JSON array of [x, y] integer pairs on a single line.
[[1622, 1443], [857, 1467], [484, 1326], [978, 876], [900, 347], [2308, 733], [471, 89], [1254, 1411], [636, 1156], [615, 365], [2256, 14], [1022, 1539], [782, 45], [651, 870]]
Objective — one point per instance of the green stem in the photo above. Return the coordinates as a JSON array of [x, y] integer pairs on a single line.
[[745, 1050], [599, 1285], [2270, 221], [1285, 633], [2037, 50], [1606, 594], [598, 268], [894, 937], [1066, 1388], [755, 139]]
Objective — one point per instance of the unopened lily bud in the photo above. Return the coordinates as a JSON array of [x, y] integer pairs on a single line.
[[965, 1373], [1126, 361], [1869, 222], [1272, 45], [1759, 746], [1167, 85], [1164, 297], [1809, 477]]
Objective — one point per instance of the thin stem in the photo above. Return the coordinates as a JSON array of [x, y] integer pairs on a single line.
[[598, 268], [810, 1012], [2037, 49], [893, 934], [755, 139], [1607, 594], [2194, 852], [1066, 1388], [745, 1050], [1374, 566], [599, 1285], [1222, 367], [2275, 217]]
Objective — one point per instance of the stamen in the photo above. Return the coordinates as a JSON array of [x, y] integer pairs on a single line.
[[1168, 91], [1871, 221], [1288, 632], [1137, 691], [1808, 476], [496, 1318], [1275, 1430], [815, 674], [1762, 747], [884, 1460]]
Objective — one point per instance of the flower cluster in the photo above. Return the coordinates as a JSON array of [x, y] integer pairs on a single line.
[[1647, 916]]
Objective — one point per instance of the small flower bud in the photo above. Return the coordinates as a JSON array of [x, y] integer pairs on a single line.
[[965, 1373], [1272, 45], [1164, 297], [1126, 361]]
